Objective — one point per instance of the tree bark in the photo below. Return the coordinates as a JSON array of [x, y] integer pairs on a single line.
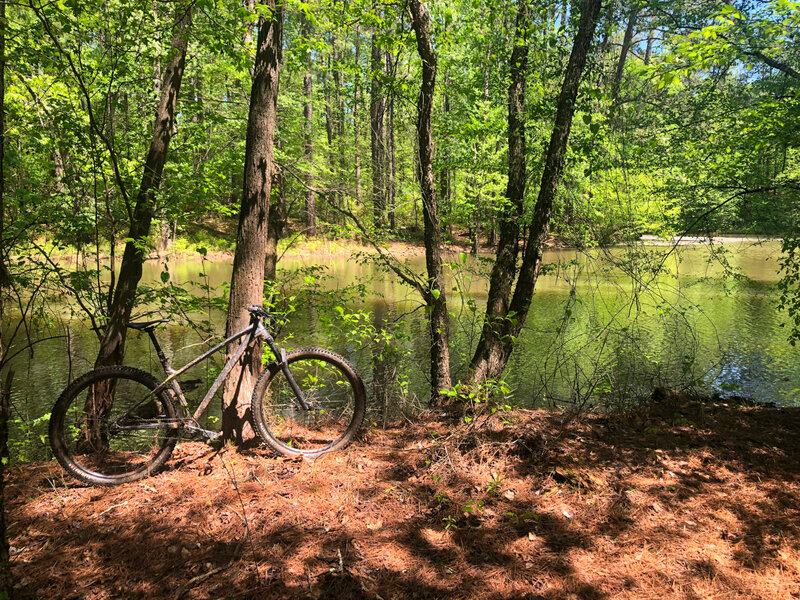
[[377, 108], [308, 131], [6, 581], [435, 295], [357, 116], [247, 279], [112, 345], [649, 48], [504, 269], [275, 219], [390, 177], [623, 55], [5, 279], [504, 319]]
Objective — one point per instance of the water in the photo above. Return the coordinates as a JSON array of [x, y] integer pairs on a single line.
[[605, 327]]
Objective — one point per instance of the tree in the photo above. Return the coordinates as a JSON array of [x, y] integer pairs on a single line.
[[377, 109], [308, 119], [434, 293], [6, 580], [504, 319], [247, 279], [112, 344]]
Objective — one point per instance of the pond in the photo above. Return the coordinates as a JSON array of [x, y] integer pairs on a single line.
[[605, 327]]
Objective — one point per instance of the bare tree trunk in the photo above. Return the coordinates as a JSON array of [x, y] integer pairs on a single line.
[[377, 108], [500, 332], [308, 128], [445, 173], [504, 269], [6, 581], [276, 218], [390, 182], [435, 296], [357, 116], [649, 49], [112, 345], [623, 55], [247, 279]]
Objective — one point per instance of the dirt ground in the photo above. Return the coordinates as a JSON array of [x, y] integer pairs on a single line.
[[514, 505]]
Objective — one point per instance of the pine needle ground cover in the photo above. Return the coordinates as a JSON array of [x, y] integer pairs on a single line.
[[521, 505]]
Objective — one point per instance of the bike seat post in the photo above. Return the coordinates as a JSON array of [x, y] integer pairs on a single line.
[[159, 352]]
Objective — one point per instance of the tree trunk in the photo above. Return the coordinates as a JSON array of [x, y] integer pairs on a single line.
[[435, 295], [649, 48], [390, 182], [112, 346], [247, 279], [623, 55], [445, 173], [6, 581], [377, 108], [504, 320], [5, 280], [275, 219], [504, 269], [357, 116], [308, 129]]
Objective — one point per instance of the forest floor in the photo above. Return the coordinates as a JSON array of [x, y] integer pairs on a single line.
[[521, 504]]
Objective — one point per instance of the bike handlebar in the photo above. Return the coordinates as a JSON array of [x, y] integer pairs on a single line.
[[259, 311]]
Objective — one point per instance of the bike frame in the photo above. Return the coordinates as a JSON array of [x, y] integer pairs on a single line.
[[255, 330]]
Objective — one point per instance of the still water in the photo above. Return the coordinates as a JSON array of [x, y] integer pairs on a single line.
[[605, 327]]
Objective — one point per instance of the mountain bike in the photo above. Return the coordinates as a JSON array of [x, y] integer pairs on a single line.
[[119, 424]]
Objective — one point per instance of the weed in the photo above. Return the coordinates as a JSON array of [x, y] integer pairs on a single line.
[[473, 505], [449, 523], [495, 483]]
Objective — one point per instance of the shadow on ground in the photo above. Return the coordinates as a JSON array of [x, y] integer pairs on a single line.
[[533, 505]]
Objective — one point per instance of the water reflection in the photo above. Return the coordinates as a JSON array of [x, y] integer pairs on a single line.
[[596, 331]]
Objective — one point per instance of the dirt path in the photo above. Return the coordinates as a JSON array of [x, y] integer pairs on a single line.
[[518, 505]]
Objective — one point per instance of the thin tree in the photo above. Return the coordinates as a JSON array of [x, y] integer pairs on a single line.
[[377, 108], [112, 344], [434, 293], [627, 41], [505, 314], [308, 131], [247, 279], [5, 559]]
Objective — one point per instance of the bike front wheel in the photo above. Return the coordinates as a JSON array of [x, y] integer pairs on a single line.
[[108, 427], [332, 389]]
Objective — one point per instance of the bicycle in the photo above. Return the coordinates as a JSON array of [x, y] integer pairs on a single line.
[[120, 424]]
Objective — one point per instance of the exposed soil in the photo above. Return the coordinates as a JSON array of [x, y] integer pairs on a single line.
[[514, 505]]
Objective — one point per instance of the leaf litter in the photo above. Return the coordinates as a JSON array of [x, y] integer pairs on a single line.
[[528, 505]]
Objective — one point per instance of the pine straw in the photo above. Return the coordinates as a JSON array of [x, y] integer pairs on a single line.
[[538, 507]]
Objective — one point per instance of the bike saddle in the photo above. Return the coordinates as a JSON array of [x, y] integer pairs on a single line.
[[145, 325]]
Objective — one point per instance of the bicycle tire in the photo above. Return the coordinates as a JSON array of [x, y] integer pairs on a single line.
[[331, 383], [99, 455]]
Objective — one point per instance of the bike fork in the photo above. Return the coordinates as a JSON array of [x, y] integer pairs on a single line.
[[280, 358]]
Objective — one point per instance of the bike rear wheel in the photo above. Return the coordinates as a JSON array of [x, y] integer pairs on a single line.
[[329, 384], [107, 427]]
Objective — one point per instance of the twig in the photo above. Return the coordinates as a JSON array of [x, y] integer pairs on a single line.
[[112, 508]]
